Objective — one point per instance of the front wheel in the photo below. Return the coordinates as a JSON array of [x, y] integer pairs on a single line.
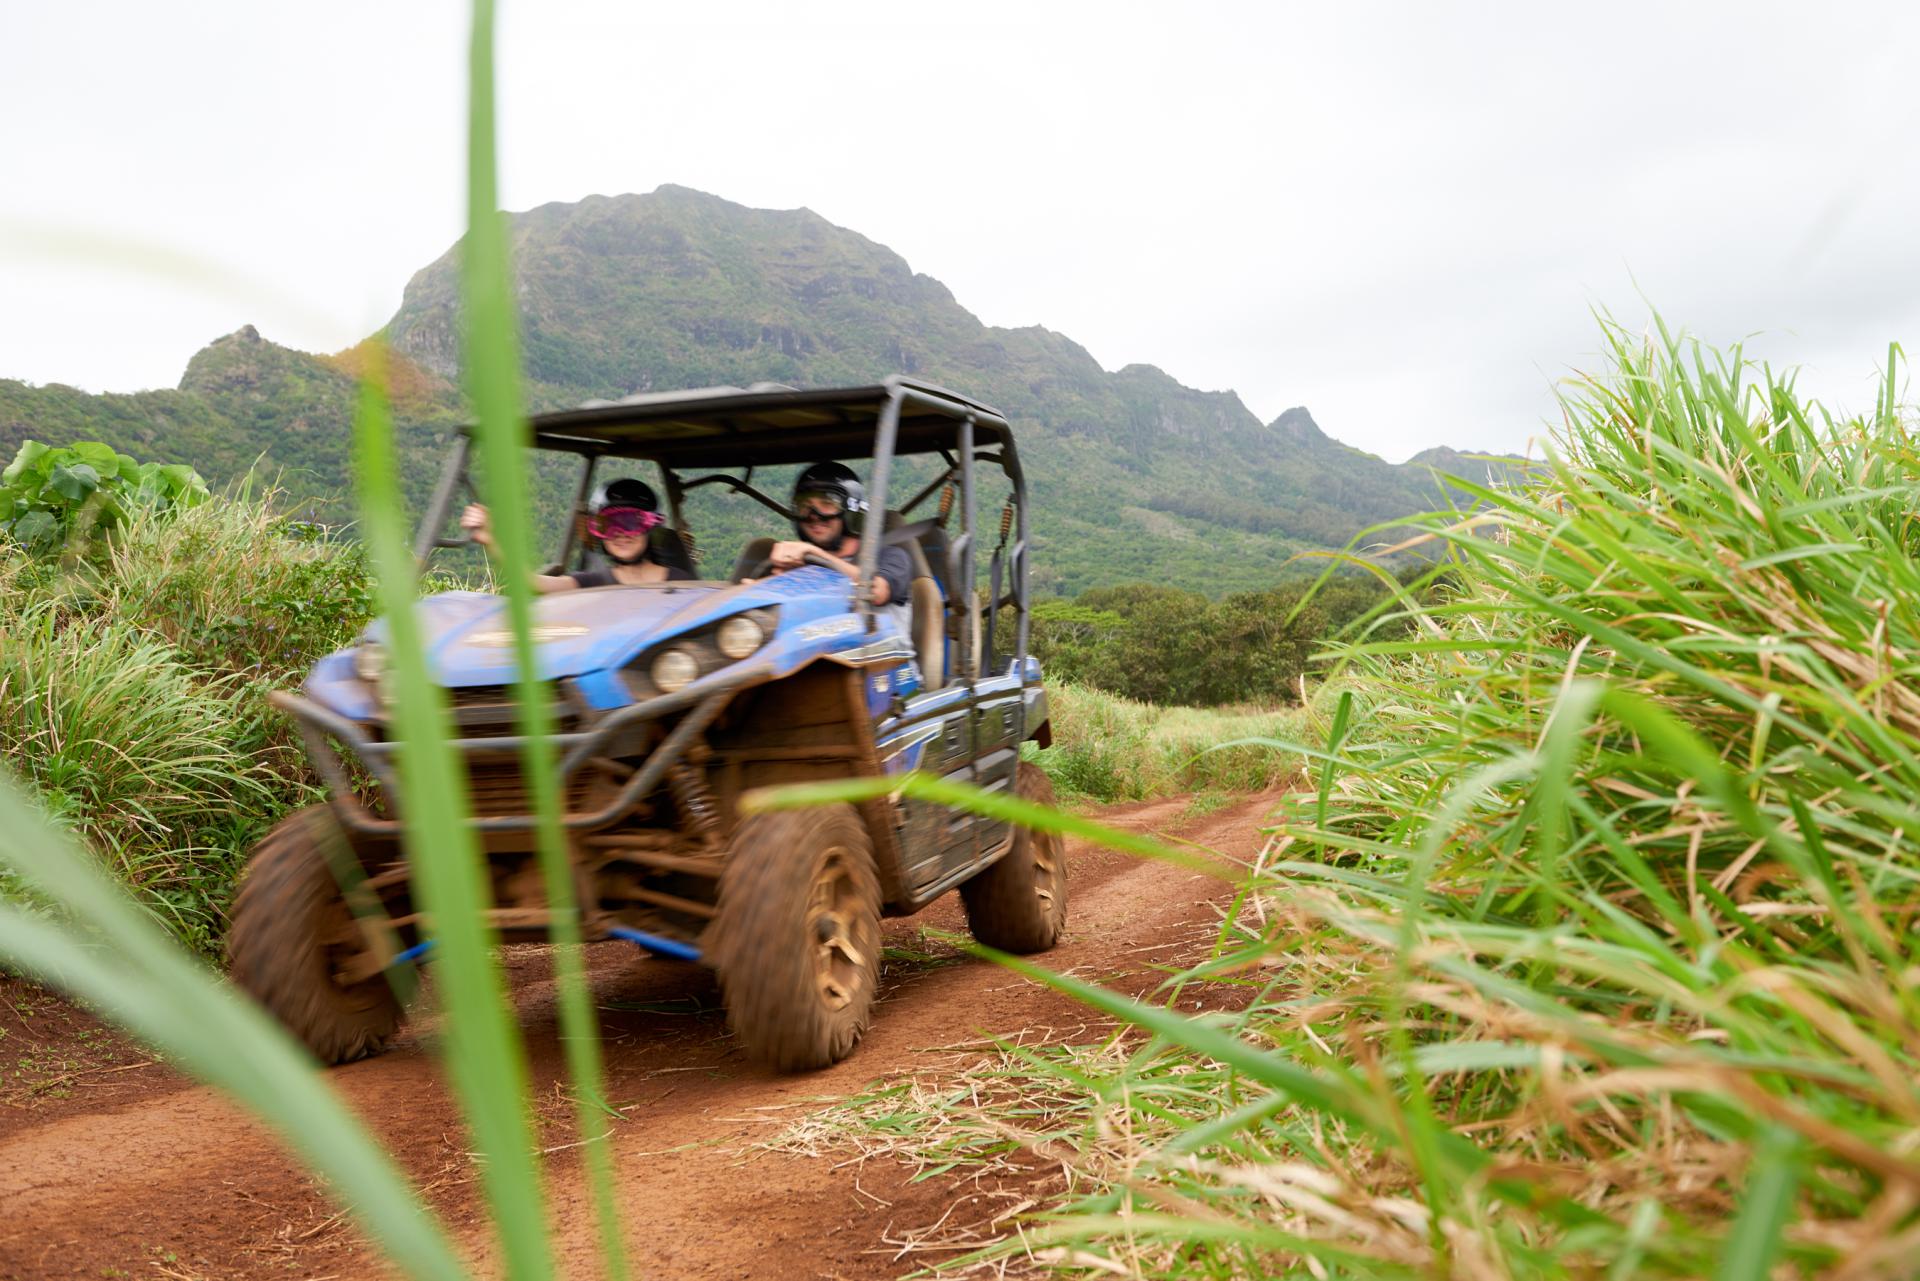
[[291, 936], [797, 942], [1019, 903]]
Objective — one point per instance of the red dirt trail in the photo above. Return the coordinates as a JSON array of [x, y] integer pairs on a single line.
[[139, 1172]]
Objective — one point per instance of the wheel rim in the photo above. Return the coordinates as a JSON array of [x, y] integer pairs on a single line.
[[342, 947], [1046, 869], [839, 961]]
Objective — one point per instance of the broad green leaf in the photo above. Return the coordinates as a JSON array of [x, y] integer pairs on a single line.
[[183, 483], [25, 462], [74, 481], [35, 529], [102, 458]]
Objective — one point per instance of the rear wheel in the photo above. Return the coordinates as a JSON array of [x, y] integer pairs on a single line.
[[797, 943], [292, 933], [1019, 904]]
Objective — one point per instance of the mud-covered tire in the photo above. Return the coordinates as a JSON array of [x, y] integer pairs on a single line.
[[797, 941], [290, 926], [1019, 903]]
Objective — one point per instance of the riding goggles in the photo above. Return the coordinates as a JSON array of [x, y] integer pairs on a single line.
[[622, 522], [819, 507]]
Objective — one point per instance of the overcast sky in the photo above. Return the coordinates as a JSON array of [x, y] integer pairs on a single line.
[[1397, 215]]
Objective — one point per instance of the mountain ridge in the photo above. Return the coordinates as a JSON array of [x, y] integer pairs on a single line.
[[677, 288]]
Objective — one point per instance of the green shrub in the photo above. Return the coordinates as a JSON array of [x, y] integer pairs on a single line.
[[1160, 644], [130, 749], [238, 588], [68, 496]]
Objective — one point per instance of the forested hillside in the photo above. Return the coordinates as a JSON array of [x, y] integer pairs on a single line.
[[1137, 476]]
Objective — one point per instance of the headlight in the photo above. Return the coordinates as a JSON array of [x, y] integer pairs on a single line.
[[674, 670], [739, 636], [677, 662], [370, 662]]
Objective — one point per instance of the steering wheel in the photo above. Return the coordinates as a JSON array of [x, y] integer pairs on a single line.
[[765, 563]]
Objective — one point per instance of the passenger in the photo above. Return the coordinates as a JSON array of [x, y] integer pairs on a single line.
[[620, 516], [826, 498]]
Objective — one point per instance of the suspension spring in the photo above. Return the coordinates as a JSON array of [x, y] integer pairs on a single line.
[[697, 807]]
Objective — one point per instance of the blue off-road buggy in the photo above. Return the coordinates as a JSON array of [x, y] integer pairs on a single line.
[[673, 699]]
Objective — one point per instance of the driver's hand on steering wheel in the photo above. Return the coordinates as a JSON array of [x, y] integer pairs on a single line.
[[789, 555], [474, 521]]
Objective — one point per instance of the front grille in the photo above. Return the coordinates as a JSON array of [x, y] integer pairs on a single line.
[[496, 788], [494, 782], [487, 711], [479, 695]]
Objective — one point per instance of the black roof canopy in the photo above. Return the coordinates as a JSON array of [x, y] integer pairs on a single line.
[[767, 425]]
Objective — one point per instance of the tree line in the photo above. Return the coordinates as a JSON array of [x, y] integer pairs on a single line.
[[1165, 645]]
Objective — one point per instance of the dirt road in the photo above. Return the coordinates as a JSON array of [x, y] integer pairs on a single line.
[[139, 1172]]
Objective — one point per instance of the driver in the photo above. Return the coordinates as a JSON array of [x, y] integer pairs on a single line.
[[826, 496], [620, 515]]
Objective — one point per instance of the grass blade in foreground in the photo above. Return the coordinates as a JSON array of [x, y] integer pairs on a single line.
[[998, 805], [484, 1055], [126, 967], [492, 375]]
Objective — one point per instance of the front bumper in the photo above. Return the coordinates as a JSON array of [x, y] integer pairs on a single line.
[[332, 739]]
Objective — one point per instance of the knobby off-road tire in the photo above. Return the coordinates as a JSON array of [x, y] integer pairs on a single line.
[[1019, 904], [797, 942], [290, 928]]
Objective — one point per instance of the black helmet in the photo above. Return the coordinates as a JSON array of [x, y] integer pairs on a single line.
[[835, 481], [626, 492]]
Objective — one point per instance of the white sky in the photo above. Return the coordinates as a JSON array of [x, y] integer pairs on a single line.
[[1398, 215]]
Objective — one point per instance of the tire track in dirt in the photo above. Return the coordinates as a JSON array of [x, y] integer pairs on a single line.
[[170, 1179]]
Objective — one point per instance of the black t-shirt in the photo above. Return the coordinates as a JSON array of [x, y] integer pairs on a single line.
[[897, 568], [605, 578]]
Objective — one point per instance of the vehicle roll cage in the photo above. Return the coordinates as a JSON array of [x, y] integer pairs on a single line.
[[728, 429]]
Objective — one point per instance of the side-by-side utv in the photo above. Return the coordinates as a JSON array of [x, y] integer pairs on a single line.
[[675, 698]]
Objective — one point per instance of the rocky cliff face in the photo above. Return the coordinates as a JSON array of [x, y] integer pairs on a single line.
[[241, 361]]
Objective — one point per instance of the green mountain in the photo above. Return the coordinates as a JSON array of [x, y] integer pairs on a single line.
[[1136, 475]]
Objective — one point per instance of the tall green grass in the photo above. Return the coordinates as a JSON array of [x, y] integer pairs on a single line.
[[134, 753], [1588, 949], [132, 688], [1109, 748]]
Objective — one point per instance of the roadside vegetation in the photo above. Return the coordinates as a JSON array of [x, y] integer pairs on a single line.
[[1585, 950], [1108, 748], [134, 660]]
